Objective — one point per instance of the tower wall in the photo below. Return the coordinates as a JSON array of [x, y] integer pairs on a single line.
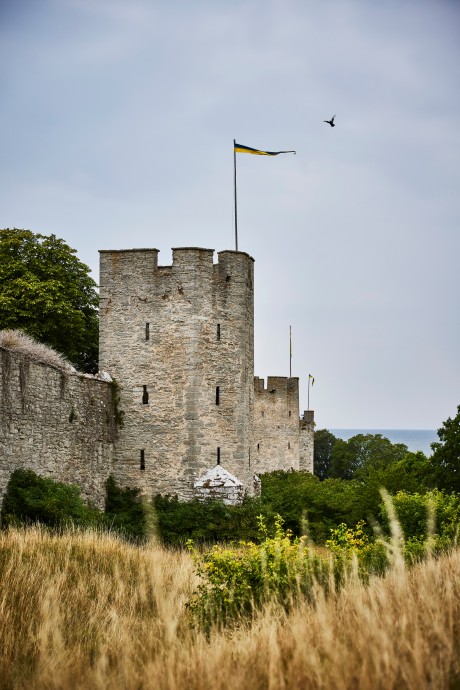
[[179, 339], [306, 441], [276, 424]]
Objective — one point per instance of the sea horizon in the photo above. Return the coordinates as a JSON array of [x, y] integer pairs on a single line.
[[414, 439]]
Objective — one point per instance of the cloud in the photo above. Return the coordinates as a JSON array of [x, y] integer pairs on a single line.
[[119, 120]]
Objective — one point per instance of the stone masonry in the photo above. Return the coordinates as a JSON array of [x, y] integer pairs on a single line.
[[59, 425], [276, 424], [306, 441], [178, 341], [218, 483]]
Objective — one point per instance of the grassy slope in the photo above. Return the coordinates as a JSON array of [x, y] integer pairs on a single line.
[[88, 611]]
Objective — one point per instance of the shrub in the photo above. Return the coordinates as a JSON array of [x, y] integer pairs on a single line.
[[18, 341], [420, 515], [238, 581], [308, 505], [30, 498], [205, 522], [125, 512], [345, 538]]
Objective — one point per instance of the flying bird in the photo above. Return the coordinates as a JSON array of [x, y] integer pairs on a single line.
[[331, 121]]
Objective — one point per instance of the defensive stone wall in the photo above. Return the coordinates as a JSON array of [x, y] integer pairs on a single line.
[[276, 424], [306, 441], [179, 340], [58, 424]]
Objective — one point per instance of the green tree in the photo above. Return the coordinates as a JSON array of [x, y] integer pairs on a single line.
[[362, 454], [445, 461], [46, 291], [322, 453], [308, 505], [411, 473]]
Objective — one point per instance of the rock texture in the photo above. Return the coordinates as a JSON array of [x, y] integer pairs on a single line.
[[219, 484], [179, 340], [177, 367], [58, 424], [306, 441], [276, 424]]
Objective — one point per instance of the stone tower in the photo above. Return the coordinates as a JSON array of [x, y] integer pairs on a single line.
[[179, 341], [276, 424], [307, 441]]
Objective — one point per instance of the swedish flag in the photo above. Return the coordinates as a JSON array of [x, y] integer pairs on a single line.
[[239, 148]]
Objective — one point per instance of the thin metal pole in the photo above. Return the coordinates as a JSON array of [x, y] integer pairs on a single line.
[[308, 403], [234, 191], [290, 352]]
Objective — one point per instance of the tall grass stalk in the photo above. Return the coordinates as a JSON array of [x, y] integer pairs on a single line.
[[85, 610]]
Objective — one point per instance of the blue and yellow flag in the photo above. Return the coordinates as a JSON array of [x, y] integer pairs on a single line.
[[239, 148], [312, 379]]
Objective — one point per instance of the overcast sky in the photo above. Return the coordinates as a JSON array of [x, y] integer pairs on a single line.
[[117, 122]]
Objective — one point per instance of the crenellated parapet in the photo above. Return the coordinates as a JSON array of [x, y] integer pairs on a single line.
[[179, 340], [276, 424]]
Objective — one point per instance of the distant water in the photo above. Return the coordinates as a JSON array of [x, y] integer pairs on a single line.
[[414, 439]]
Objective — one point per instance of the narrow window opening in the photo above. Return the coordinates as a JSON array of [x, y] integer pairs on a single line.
[[142, 465], [227, 279], [147, 331], [249, 459], [289, 412], [218, 331], [263, 413], [217, 395], [218, 455], [145, 396], [289, 445], [258, 446]]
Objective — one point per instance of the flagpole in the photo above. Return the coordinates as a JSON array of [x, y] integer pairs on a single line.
[[308, 400], [234, 192], [290, 352]]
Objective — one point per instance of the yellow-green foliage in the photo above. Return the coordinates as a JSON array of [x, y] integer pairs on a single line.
[[236, 581], [348, 539]]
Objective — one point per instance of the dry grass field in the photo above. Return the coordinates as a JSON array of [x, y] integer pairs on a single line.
[[84, 611]]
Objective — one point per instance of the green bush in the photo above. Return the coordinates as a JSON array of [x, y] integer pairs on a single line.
[[205, 522], [353, 544], [313, 507], [413, 526], [127, 513], [420, 514], [30, 498], [237, 581]]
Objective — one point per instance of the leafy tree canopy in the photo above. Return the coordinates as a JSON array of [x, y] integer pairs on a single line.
[[363, 454], [46, 291], [322, 454], [445, 460]]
